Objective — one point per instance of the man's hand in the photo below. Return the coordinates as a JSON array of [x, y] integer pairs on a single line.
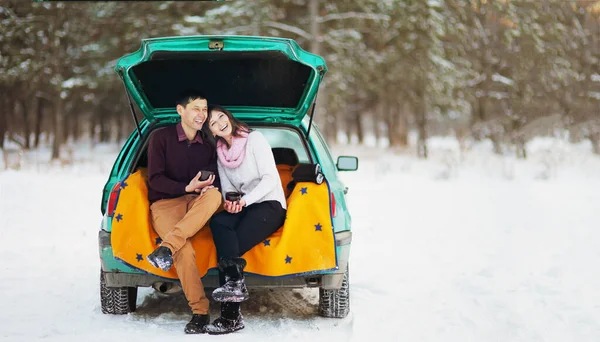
[[203, 190], [196, 186], [234, 207]]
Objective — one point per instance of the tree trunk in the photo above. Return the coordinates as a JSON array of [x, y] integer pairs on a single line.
[[104, 129], [402, 124], [10, 115], [322, 103], [349, 127], [92, 128], [520, 148], [58, 127], [421, 121], [403, 134], [37, 125], [422, 137], [330, 116], [389, 123], [475, 120], [313, 10], [3, 118], [359, 127], [26, 128], [377, 118], [66, 130], [595, 140], [390, 120], [120, 126], [76, 125], [496, 143]]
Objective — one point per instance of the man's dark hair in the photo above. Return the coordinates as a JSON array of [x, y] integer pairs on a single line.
[[188, 96]]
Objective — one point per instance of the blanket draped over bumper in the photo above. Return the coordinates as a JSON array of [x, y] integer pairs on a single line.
[[305, 244]]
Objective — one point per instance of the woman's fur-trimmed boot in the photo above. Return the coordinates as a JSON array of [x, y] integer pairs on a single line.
[[231, 320], [234, 289]]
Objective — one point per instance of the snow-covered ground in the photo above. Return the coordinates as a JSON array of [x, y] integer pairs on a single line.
[[461, 247]]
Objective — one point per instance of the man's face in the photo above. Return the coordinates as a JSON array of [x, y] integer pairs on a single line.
[[194, 114]]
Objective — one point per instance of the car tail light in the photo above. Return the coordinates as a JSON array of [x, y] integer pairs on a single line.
[[112, 200], [333, 205]]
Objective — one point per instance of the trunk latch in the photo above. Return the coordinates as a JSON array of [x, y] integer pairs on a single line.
[[216, 45]]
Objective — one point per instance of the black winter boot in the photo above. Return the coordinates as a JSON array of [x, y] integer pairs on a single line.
[[234, 289], [231, 320], [197, 324], [161, 258]]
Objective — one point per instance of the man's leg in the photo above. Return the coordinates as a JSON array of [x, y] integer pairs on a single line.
[[165, 215], [199, 210], [187, 272]]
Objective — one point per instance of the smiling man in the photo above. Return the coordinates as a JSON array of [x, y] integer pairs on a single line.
[[181, 204]]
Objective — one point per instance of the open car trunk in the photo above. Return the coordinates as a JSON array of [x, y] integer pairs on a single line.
[[257, 78]]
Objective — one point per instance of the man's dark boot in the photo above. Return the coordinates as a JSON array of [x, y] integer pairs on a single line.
[[197, 324], [231, 320], [234, 289], [161, 258]]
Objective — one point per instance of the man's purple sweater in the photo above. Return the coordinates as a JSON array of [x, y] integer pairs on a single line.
[[173, 161]]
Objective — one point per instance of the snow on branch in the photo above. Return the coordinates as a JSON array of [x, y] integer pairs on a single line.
[[289, 28], [353, 15], [504, 80]]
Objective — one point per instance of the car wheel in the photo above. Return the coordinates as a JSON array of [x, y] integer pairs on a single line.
[[116, 300], [336, 303]]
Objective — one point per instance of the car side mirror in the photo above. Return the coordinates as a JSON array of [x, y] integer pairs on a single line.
[[347, 163]]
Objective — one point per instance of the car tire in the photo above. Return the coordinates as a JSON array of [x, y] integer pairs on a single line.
[[117, 300], [336, 303]]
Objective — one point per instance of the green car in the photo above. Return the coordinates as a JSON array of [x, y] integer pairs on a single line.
[[271, 84]]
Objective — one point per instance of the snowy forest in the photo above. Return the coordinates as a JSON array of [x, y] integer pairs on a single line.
[[501, 70]]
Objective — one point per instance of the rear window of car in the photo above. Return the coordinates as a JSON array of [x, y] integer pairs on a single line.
[[285, 137]]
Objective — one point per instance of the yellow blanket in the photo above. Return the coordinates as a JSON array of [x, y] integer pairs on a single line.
[[305, 244]]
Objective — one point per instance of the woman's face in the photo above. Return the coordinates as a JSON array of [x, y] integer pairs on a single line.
[[219, 124]]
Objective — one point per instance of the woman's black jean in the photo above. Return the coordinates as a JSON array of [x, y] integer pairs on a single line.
[[235, 234]]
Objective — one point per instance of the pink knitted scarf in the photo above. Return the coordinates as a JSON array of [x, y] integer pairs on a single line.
[[233, 156]]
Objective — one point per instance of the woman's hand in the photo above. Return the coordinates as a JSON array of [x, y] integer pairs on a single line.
[[234, 207]]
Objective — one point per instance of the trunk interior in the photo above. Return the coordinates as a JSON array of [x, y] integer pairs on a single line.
[[251, 79]]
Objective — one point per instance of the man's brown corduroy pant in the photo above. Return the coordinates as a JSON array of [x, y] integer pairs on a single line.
[[176, 220]]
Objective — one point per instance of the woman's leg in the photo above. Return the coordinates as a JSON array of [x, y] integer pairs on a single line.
[[231, 319], [222, 225], [259, 223], [235, 234]]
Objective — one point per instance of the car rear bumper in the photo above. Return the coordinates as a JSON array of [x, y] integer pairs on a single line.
[[118, 274]]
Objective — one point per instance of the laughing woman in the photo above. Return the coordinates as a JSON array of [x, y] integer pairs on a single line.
[[255, 208]]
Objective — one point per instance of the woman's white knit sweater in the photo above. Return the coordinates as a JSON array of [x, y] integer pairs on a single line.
[[256, 176]]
